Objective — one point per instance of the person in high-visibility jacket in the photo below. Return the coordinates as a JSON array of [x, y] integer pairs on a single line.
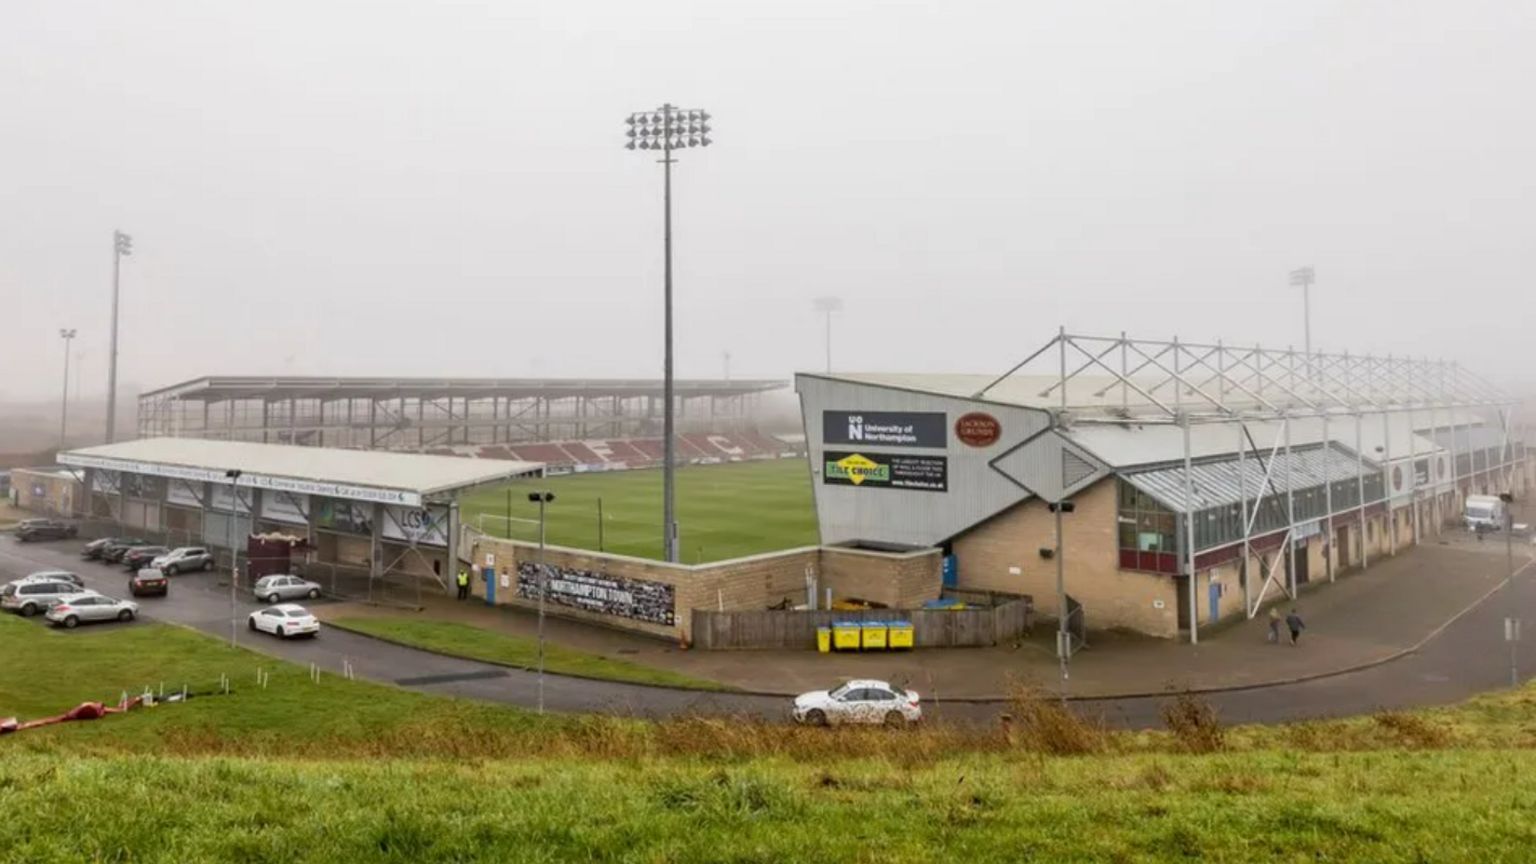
[[463, 584]]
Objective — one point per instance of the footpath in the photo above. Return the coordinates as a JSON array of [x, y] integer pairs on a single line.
[[1362, 619]]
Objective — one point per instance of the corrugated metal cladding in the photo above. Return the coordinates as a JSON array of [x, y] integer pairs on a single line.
[[973, 490], [1228, 481]]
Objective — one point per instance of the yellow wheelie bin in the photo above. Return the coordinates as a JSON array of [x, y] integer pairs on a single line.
[[873, 636], [845, 635], [824, 639], [899, 636]]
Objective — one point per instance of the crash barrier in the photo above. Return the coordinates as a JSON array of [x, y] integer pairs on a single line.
[[969, 626]]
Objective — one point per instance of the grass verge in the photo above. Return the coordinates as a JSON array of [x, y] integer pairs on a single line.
[[476, 643]]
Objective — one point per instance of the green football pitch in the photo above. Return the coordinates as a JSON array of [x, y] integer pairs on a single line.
[[723, 511]]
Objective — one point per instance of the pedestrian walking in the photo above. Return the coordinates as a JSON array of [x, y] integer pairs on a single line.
[[1274, 626], [1294, 623], [463, 584]]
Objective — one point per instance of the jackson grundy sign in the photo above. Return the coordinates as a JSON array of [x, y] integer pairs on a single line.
[[885, 428]]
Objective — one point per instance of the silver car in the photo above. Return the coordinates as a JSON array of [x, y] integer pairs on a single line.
[[279, 587], [75, 609], [31, 596]]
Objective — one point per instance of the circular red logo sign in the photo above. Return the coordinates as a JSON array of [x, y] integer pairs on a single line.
[[978, 429]]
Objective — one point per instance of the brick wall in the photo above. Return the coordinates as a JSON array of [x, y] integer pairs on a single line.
[[756, 582], [1003, 554], [59, 495]]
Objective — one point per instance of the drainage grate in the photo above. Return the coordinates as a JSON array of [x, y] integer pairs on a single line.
[[452, 677]]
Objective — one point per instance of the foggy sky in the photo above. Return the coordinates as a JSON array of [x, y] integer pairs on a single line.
[[351, 188]]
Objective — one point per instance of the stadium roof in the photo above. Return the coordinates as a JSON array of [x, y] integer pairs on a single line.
[[361, 475], [221, 388]]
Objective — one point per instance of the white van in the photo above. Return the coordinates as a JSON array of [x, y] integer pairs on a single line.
[[1484, 513]]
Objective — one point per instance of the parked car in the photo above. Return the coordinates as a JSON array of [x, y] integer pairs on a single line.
[[284, 620], [92, 550], [30, 597], [55, 576], [44, 529], [115, 550], [282, 586], [184, 559], [861, 701], [149, 582], [75, 609], [139, 557]]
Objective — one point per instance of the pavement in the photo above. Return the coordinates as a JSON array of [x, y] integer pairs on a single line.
[[1427, 628], [1363, 618]]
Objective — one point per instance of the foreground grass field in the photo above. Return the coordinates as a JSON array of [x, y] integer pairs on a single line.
[[723, 511], [462, 640], [352, 771]]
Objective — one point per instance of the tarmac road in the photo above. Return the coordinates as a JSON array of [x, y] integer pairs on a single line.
[[1468, 656]]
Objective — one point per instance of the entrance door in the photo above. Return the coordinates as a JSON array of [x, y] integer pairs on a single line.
[[1302, 576], [1342, 557]]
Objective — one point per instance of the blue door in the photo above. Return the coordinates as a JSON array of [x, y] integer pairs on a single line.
[[1215, 594], [489, 574]]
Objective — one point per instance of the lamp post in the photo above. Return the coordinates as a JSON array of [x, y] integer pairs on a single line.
[[1512, 623], [826, 306], [541, 498], [122, 246], [668, 128], [234, 556], [1063, 633], [69, 336]]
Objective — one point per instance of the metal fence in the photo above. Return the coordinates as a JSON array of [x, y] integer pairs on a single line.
[[932, 628]]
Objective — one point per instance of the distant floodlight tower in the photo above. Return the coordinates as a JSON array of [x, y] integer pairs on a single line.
[[1303, 277], [68, 335], [826, 306], [122, 247], [666, 129]]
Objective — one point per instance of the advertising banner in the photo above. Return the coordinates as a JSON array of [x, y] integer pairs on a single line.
[[637, 599], [886, 471], [182, 493], [885, 428], [347, 517], [424, 527], [285, 507]]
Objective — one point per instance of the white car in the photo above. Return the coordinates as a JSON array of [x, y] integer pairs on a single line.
[[76, 609], [859, 701], [284, 620]]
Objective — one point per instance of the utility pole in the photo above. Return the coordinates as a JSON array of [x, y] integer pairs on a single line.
[[234, 555], [69, 336], [1512, 623], [666, 129], [122, 246]]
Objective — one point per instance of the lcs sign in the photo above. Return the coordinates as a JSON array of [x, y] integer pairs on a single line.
[[885, 428]]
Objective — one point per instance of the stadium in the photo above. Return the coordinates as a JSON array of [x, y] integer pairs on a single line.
[[1151, 486]]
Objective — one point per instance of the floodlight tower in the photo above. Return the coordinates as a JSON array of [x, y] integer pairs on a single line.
[[1303, 277], [826, 306], [666, 129], [122, 247], [68, 335]]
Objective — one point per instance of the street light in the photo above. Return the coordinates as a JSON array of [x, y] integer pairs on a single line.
[[69, 335], [666, 129], [234, 556], [541, 498], [826, 306], [1063, 633], [1512, 623], [122, 246]]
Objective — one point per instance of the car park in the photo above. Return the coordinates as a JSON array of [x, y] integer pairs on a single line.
[[859, 701], [183, 559], [284, 620], [283, 586], [115, 550], [76, 609], [30, 597], [141, 556], [149, 582], [44, 529]]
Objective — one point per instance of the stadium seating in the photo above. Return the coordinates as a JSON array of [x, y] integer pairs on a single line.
[[600, 455]]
